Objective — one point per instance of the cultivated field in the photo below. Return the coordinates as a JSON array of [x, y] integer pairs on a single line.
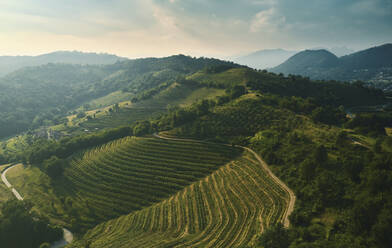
[[225, 209], [131, 173]]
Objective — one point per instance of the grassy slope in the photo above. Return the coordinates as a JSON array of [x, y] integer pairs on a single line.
[[34, 185], [228, 208]]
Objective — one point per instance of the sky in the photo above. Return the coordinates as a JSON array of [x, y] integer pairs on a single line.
[[211, 28]]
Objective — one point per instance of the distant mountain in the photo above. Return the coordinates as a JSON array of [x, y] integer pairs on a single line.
[[373, 65], [337, 50], [340, 51], [307, 62], [376, 57], [264, 58], [12, 63]]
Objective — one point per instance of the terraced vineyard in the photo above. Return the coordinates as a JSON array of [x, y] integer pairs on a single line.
[[225, 209], [131, 173], [123, 117]]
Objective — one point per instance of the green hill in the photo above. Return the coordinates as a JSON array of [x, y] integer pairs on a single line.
[[371, 65], [308, 62], [116, 190], [41, 96]]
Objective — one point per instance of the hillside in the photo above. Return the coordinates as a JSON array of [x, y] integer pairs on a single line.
[[228, 208], [373, 65], [190, 190], [133, 172], [10, 64], [47, 93], [136, 173], [264, 59], [36, 96], [372, 58], [308, 61]]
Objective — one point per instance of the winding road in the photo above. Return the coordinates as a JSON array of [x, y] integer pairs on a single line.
[[292, 197], [67, 235]]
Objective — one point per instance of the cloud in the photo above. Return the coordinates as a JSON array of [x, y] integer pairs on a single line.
[[267, 21], [199, 27]]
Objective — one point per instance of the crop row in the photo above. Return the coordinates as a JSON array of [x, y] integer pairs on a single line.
[[225, 209], [131, 173]]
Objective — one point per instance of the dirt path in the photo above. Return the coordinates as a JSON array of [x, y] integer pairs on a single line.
[[67, 235], [292, 197]]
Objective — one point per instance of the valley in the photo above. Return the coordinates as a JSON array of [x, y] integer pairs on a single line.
[[195, 124], [221, 155]]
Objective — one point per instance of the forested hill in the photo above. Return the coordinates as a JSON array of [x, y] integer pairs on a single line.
[[371, 65], [306, 60], [9, 64], [338, 167], [36, 96]]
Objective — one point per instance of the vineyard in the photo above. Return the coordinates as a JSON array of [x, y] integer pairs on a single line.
[[246, 116], [131, 173], [123, 116], [228, 208]]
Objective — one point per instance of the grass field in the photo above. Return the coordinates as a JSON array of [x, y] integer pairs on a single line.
[[35, 186], [225, 209]]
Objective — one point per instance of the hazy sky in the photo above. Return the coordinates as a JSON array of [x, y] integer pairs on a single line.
[[139, 28]]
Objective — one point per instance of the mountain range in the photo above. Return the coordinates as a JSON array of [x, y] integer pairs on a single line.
[[9, 64], [373, 65], [264, 59]]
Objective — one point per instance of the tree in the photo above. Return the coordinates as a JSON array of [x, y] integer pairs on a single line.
[[236, 91], [2, 159], [116, 107], [308, 169], [20, 227], [142, 128], [382, 229], [54, 166], [275, 237], [321, 155]]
